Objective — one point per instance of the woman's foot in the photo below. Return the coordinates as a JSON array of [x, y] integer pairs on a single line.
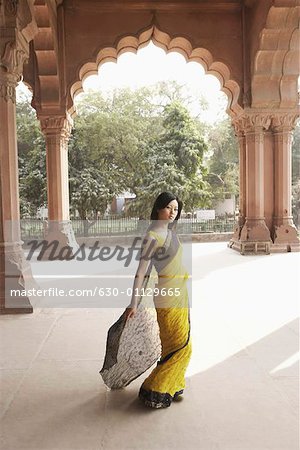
[[155, 399]]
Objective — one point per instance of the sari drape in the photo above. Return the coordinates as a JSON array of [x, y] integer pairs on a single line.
[[167, 380]]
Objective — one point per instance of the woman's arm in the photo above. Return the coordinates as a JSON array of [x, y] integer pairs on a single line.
[[148, 249]]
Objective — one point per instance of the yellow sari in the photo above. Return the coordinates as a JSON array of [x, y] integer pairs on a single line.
[[166, 382]]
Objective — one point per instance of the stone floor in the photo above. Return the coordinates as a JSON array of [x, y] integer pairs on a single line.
[[242, 382]]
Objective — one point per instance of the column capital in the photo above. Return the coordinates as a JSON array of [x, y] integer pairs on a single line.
[[59, 125], [276, 121], [284, 122], [251, 122]]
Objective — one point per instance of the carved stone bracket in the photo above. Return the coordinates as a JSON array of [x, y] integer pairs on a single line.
[[13, 59], [11, 68], [18, 27]]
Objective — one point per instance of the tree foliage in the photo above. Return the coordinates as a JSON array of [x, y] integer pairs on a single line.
[[32, 160], [143, 141], [296, 155], [175, 160], [146, 141], [223, 162]]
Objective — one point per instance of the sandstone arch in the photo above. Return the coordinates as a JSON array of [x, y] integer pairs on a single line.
[[179, 44]]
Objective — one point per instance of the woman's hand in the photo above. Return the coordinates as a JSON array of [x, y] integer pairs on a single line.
[[130, 311]]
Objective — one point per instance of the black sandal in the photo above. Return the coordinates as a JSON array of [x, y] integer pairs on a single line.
[[178, 395], [155, 399]]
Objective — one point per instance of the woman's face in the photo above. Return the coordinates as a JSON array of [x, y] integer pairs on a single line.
[[169, 212]]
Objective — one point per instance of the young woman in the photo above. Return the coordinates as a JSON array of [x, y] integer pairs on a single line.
[[166, 382]]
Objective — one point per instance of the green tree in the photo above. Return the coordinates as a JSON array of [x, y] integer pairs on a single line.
[[31, 159], [296, 155], [174, 163], [90, 196], [296, 203], [112, 134], [296, 175], [223, 164]]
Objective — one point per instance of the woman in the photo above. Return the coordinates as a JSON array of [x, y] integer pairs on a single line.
[[166, 382]]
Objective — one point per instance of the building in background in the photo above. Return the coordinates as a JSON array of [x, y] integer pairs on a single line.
[[119, 205]]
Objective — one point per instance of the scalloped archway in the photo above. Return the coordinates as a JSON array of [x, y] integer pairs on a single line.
[[168, 44]]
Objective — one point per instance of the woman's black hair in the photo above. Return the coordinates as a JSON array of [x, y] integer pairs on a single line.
[[161, 202]]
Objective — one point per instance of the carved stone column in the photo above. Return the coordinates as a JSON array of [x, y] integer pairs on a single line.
[[255, 228], [284, 232], [15, 272], [57, 131], [252, 235]]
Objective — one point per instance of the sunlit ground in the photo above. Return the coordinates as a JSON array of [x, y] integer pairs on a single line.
[[240, 300]]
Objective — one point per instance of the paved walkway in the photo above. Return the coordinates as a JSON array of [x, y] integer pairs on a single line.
[[242, 382]]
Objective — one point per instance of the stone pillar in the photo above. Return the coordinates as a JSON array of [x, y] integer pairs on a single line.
[[14, 270], [284, 232], [57, 129], [255, 230], [252, 235]]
